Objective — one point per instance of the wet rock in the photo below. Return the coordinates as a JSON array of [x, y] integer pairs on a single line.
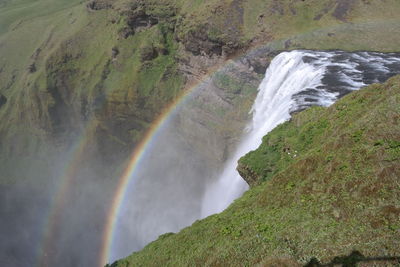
[[259, 60]]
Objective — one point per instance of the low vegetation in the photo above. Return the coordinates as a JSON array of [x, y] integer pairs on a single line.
[[103, 70], [116, 64], [325, 183]]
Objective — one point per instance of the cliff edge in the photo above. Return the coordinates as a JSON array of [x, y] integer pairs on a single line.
[[323, 184]]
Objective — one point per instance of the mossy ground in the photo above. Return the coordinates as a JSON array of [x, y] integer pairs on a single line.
[[339, 193]]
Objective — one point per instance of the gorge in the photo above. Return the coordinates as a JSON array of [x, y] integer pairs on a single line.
[[179, 190], [287, 200], [122, 122]]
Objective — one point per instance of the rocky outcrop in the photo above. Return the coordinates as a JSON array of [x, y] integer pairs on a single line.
[[139, 19], [246, 172], [198, 43], [150, 52], [99, 4], [220, 35]]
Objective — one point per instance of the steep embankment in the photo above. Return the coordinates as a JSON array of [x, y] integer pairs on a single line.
[[323, 184], [82, 81], [114, 65]]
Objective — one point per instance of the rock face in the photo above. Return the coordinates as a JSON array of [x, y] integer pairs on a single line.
[[197, 43], [248, 174], [140, 20], [219, 36], [99, 4]]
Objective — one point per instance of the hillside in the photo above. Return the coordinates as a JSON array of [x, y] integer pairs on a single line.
[[83, 82], [323, 184], [115, 65]]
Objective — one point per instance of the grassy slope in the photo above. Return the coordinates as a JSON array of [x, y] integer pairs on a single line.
[[25, 27], [253, 229], [46, 32], [340, 193], [76, 80], [71, 48], [358, 25], [89, 44]]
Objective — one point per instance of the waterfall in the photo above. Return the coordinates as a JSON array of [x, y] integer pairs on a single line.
[[175, 183], [294, 81]]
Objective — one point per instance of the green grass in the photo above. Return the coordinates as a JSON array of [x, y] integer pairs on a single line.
[[26, 26], [258, 22], [299, 207], [340, 193], [71, 50], [73, 58], [15, 12], [299, 18]]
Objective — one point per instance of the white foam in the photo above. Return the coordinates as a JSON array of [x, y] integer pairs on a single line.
[[284, 89]]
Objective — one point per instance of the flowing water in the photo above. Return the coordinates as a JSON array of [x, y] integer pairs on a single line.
[[172, 185], [294, 81], [184, 174]]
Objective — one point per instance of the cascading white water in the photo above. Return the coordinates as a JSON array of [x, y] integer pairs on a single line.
[[171, 186], [294, 81]]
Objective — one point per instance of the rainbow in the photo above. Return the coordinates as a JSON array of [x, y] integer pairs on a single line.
[[123, 184], [68, 174], [139, 152], [122, 187], [61, 196], [58, 201], [128, 174], [67, 177]]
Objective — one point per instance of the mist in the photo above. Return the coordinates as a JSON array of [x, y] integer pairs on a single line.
[[56, 212], [169, 185], [53, 215]]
